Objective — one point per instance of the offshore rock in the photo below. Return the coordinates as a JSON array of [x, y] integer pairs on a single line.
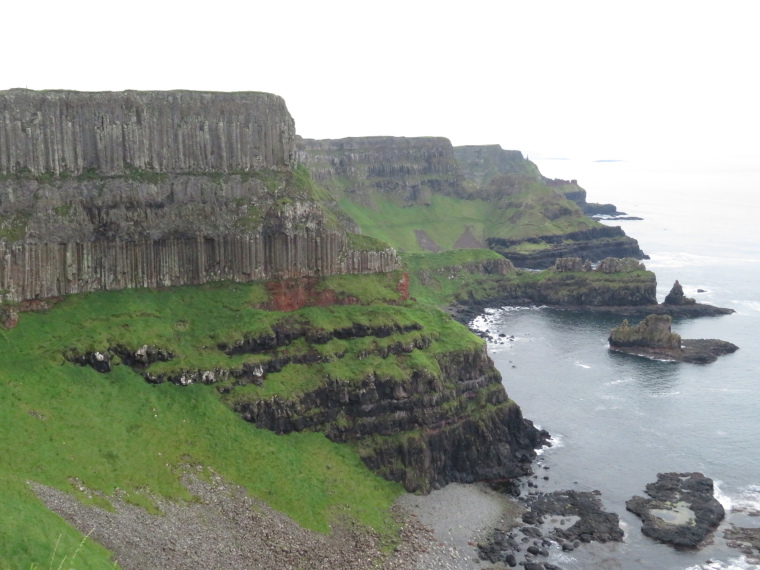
[[677, 297], [682, 510], [653, 338], [593, 524]]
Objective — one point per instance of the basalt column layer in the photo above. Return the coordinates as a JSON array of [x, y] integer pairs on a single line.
[[133, 189], [111, 132]]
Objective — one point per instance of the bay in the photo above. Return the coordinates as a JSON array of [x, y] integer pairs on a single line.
[[618, 420]]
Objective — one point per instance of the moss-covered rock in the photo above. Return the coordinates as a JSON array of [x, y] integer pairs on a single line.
[[652, 332]]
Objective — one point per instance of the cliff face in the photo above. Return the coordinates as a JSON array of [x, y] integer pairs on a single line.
[[111, 132], [423, 194], [411, 390], [482, 163], [134, 189], [409, 169]]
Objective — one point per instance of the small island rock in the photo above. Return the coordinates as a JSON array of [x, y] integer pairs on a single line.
[[677, 297], [653, 338], [682, 510]]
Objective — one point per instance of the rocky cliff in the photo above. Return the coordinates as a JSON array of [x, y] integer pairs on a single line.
[[135, 189], [410, 389], [112, 132], [423, 194]]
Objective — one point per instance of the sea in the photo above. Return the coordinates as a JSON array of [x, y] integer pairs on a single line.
[[618, 420]]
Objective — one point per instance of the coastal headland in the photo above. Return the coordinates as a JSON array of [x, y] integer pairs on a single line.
[[206, 316]]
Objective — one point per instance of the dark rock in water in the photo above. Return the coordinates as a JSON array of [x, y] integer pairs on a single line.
[[682, 510], [593, 524], [676, 296], [653, 332], [652, 338], [745, 539]]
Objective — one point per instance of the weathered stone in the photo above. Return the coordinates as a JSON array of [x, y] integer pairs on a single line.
[[652, 332], [677, 297], [572, 264], [682, 510], [593, 522], [653, 338], [72, 132], [102, 191]]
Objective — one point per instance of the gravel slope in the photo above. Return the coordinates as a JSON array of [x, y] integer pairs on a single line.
[[227, 529]]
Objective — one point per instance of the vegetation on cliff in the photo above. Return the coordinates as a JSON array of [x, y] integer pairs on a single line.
[[423, 194], [95, 433], [476, 277], [300, 322]]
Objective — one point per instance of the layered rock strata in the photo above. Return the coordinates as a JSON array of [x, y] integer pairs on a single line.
[[413, 172], [54, 132], [149, 189], [410, 169], [592, 244], [423, 417]]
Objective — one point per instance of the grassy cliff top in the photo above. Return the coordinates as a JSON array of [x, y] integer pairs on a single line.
[[64, 424]]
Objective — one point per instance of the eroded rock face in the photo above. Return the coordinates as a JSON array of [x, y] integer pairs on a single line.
[[102, 191], [410, 169], [677, 297], [652, 332], [653, 338], [593, 244], [682, 510], [447, 421], [165, 131]]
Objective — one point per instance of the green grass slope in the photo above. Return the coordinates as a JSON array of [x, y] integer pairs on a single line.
[[63, 423]]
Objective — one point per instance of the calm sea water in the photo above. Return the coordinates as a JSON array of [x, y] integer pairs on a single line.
[[618, 420]]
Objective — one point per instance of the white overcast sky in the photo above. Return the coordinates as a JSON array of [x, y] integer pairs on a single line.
[[580, 79]]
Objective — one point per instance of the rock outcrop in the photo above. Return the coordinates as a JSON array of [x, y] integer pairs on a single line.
[[593, 244], [653, 338], [417, 412], [525, 219], [677, 297], [682, 510], [149, 189], [111, 133], [563, 518], [367, 168], [572, 283]]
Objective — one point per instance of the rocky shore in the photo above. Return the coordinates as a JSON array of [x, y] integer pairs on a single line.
[[225, 528], [681, 510]]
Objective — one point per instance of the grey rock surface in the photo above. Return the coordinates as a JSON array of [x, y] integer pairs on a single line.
[[166, 131]]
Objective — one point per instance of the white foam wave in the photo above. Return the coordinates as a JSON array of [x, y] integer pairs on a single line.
[[740, 563], [582, 365], [753, 306], [619, 381], [683, 259], [664, 394], [556, 440], [746, 499]]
